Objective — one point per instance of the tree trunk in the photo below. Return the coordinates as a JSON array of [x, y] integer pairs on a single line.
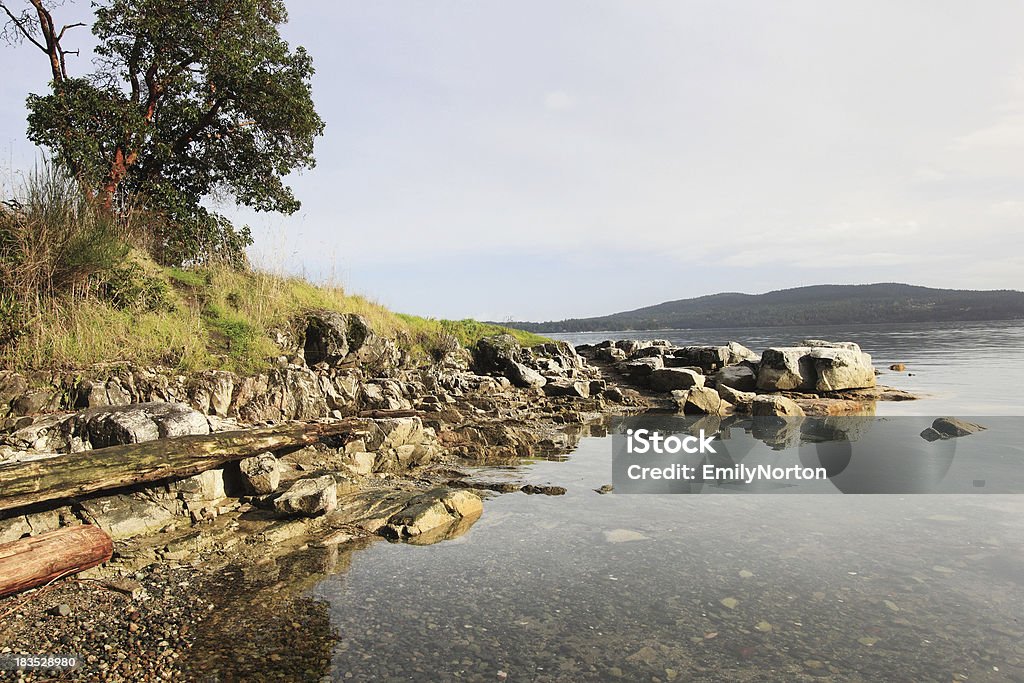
[[37, 560], [75, 474]]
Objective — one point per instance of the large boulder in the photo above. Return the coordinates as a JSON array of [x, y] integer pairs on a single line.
[[786, 369], [739, 353], [670, 379], [495, 354], [815, 366], [740, 377], [707, 358], [140, 422], [700, 401], [640, 369], [842, 368]]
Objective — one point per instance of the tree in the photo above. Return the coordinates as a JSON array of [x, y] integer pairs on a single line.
[[190, 100]]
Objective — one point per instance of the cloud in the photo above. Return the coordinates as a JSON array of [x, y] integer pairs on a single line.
[[558, 100]]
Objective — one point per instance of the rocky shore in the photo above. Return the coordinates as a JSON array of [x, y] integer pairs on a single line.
[[401, 470]]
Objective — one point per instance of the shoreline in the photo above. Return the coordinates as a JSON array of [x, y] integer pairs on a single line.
[[409, 481]]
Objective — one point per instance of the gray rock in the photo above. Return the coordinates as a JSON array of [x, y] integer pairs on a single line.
[[128, 515], [140, 422], [567, 387], [740, 377], [707, 358], [816, 366], [739, 353], [208, 485], [309, 497], [523, 377], [261, 474], [670, 379], [641, 368]]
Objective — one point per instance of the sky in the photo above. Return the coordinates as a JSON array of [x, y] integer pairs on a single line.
[[543, 160]]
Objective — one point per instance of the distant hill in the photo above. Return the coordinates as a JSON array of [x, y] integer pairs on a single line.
[[814, 305]]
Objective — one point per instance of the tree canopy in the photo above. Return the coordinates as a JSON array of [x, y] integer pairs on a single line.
[[188, 100]]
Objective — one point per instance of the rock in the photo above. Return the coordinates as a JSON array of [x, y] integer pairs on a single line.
[[898, 367], [781, 406], [699, 401], [524, 377], [707, 358], [842, 368], [614, 394], [567, 387], [432, 510], [61, 610], [127, 515], [535, 489], [309, 497], [35, 401], [325, 339], [670, 379], [786, 369], [208, 485], [737, 353], [816, 366], [495, 354], [140, 422], [739, 377], [260, 474], [640, 369], [742, 400], [950, 428], [607, 488]]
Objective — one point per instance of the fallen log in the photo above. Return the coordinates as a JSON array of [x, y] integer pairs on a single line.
[[76, 474], [37, 560]]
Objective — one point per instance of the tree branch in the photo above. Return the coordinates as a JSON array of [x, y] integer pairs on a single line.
[[21, 28], [205, 120]]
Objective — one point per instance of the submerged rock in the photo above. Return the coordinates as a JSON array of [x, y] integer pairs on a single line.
[[432, 510], [950, 428]]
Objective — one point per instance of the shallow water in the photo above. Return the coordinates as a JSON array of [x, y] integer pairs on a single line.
[[589, 586], [713, 587]]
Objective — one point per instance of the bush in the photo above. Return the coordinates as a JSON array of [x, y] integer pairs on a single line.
[[54, 239]]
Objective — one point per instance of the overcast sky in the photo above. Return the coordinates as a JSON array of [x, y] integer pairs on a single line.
[[539, 160]]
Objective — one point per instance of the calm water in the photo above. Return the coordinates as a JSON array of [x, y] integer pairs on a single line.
[[715, 588], [969, 368]]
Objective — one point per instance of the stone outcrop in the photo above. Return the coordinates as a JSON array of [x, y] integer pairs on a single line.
[[815, 366]]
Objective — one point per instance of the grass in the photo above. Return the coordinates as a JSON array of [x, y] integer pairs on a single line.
[[212, 318], [78, 288]]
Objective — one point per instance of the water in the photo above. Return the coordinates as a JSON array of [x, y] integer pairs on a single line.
[[966, 368], [718, 587]]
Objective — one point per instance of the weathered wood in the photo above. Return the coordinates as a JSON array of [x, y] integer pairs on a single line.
[[37, 560], [76, 474]]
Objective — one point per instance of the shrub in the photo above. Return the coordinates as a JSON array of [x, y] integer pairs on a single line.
[[53, 238]]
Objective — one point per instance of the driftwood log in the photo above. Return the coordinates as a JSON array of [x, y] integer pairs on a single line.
[[37, 560], [76, 474]]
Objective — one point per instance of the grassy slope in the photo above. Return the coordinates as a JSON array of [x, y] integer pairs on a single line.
[[212, 318]]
